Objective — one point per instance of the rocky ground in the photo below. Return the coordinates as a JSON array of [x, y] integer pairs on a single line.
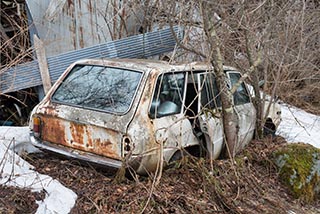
[[249, 185]]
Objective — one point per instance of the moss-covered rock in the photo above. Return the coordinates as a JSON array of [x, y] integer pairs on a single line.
[[299, 167]]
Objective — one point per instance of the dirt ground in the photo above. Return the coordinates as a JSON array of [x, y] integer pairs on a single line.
[[14, 200], [250, 185]]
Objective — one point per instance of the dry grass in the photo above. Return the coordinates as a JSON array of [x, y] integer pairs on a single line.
[[250, 185], [307, 97], [16, 200]]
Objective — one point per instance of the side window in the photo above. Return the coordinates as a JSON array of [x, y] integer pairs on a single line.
[[168, 95], [241, 95], [210, 96]]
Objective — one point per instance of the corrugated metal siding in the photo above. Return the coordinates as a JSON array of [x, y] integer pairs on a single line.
[[141, 46], [77, 24], [65, 25]]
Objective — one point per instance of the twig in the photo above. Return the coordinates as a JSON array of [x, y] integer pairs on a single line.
[[296, 119], [4, 159]]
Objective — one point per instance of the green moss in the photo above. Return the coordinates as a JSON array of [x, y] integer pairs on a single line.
[[299, 167]]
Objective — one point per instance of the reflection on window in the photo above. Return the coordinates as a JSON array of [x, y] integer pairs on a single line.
[[241, 95], [210, 96], [104, 88], [167, 98]]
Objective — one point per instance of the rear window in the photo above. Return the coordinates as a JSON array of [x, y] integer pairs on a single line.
[[98, 87]]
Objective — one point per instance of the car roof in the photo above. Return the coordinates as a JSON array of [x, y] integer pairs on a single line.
[[147, 65]]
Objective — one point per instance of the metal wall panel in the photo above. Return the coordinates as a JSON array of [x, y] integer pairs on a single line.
[[65, 25], [140, 46], [70, 25]]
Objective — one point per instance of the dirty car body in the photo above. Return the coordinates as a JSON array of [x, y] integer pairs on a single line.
[[137, 113]]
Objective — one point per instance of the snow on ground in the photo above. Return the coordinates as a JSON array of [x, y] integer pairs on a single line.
[[14, 171], [296, 126], [299, 126]]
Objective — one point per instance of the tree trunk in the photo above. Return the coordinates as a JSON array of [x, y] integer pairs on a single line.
[[229, 117], [255, 83]]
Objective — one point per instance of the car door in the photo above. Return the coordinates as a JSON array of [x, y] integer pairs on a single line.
[[244, 109], [170, 125], [210, 114]]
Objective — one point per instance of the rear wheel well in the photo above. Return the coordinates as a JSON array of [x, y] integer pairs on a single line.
[[269, 128], [194, 150]]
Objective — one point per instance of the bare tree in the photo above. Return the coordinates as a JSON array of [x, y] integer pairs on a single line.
[[202, 18], [277, 42]]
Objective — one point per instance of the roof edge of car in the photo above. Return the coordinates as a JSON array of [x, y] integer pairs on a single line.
[[151, 63]]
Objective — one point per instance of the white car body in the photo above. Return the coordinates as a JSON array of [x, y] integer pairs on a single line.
[[136, 112]]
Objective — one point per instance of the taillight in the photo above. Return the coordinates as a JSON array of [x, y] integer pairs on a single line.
[[126, 144], [36, 126]]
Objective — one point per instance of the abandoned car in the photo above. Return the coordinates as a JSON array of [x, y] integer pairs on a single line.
[[138, 112]]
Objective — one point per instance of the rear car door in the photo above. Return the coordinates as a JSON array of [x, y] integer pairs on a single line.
[[244, 109], [166, 111], [210, 114]]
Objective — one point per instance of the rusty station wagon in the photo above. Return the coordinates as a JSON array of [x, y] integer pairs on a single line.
[[138, 112]]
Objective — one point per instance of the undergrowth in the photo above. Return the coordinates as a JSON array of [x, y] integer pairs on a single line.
[[248, 184]]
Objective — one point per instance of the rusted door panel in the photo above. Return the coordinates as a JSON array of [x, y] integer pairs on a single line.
[[82, 137]]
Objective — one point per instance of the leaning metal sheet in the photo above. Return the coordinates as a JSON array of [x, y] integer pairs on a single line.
[[27, 75]]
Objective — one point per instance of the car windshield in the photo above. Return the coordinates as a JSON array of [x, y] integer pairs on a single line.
[[98, 87]]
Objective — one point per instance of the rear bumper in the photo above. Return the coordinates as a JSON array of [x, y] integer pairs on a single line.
[[72, 153]]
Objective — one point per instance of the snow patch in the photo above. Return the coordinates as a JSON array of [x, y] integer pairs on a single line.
[[298, 125], [14, 171], [20, 135]]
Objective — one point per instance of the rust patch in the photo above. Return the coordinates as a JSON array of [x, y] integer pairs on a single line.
[[72, 29], [90, 7], [81, 136], [77, 133], [114, 64], [89, 143], [81, 37], [52, 130], [51, 110], [152, 81], [104, 147], [70, 2]]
